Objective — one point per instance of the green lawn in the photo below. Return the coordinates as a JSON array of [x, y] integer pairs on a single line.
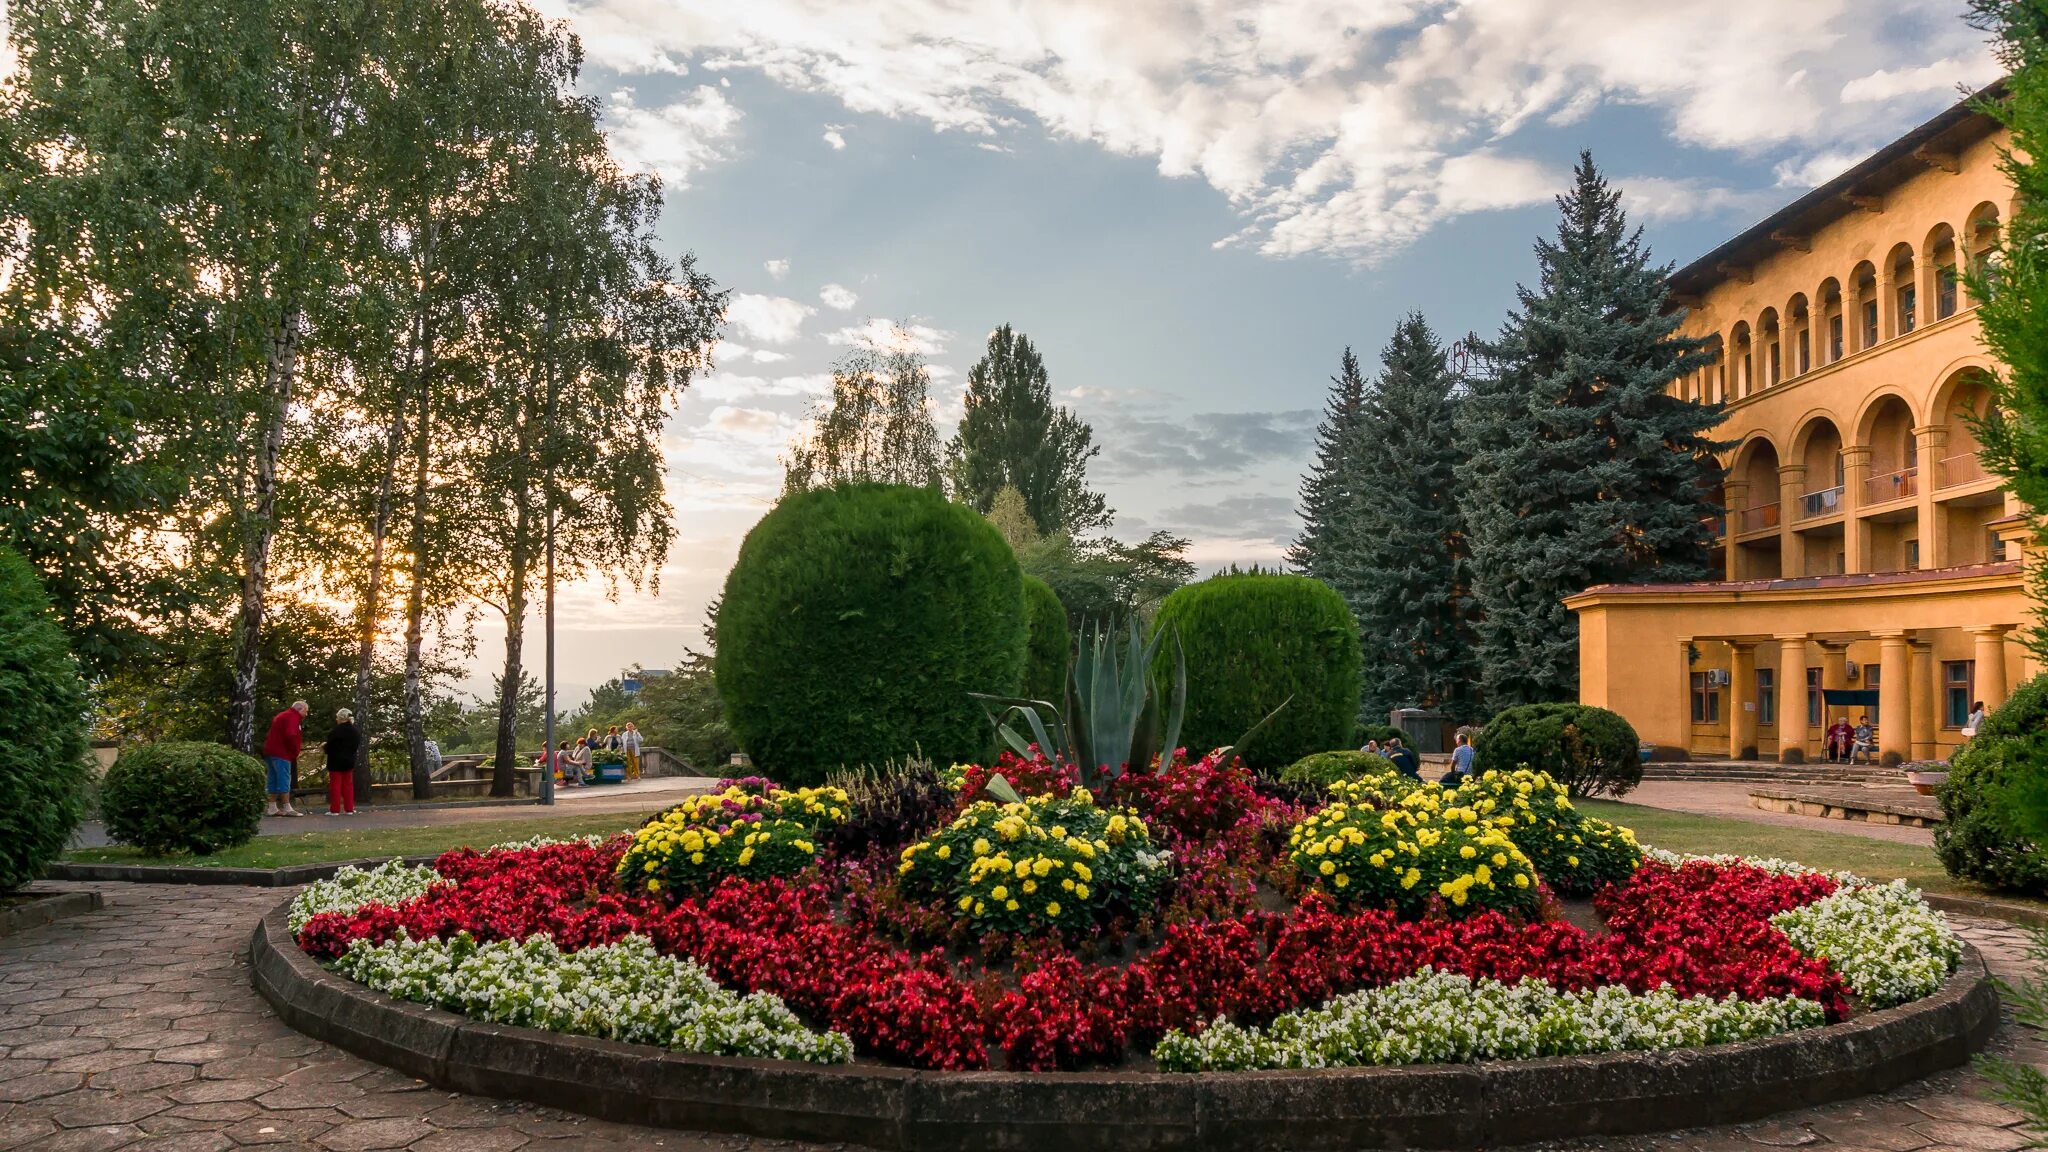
[[1831, 851], [324, 846]]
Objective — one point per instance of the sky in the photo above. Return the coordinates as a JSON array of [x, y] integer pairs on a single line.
[[1192, 207]]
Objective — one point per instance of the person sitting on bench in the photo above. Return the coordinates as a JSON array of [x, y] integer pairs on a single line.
[[1865, 742], [1839, 736]]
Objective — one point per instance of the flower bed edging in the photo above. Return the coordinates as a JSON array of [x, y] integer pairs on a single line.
[[44, 907], [1443, 1106]]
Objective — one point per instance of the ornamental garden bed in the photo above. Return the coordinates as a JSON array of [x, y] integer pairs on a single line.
[[1188, 956]]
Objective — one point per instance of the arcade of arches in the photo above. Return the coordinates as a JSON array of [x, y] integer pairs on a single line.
[[1865, 546]]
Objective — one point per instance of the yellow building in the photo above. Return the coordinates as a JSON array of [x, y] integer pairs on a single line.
[[1865, 547]]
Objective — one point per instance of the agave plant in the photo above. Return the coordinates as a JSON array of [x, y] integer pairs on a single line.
[[1118, 717]]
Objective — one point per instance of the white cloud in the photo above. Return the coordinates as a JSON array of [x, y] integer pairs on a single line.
[[835, 138], [776, 269], [1815, 170], [838, 296], [730, 386], [676, 139], [1345, 127], [889, 336], [769, 319], [1940, 76]]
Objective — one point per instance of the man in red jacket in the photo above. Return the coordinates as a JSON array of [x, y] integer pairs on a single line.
[[281, 755]]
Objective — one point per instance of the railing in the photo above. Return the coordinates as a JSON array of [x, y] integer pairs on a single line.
[[1891, 486], [1825, 502], [1958, 469], [1757, 519]]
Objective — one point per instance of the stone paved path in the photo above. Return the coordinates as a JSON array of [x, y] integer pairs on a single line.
[[136, 1028]]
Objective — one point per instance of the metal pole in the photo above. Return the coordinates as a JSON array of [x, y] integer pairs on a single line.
[[547, 771]]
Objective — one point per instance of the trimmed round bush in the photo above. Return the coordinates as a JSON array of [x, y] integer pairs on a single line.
[[1983, 835], [1323, 769], [1049, 645], [43, 771], [182, 796], [1588, 750], [1252, 641], [855, 623]]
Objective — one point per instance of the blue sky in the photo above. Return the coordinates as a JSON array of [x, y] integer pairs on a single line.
[[1192, 208]]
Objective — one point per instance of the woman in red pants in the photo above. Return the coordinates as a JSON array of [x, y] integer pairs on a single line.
[[342, 744]]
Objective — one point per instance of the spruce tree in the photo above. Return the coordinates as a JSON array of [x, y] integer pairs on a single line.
[[1581, 467], [1326, 490], [1401, 564], [1012, 434]]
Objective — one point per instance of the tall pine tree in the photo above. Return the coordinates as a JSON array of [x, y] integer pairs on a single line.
[[1326, 492], [1401, 563], [1580, 466], [1012, 434]]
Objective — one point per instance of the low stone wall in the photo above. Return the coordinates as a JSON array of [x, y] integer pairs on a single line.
[[33, 908], [1442, 1106]]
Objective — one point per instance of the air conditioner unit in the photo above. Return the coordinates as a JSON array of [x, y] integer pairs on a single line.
[[1717, 677], [1851, 669]]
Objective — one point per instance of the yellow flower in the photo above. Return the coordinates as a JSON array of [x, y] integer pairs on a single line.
[[981, 847], [1327, 867], [966, 902], [999, 892], [1572, 860], [1030, 886], [696, 858], [746, 857], [1521, 879], [1413, 877], [1467, 852], [1343, 881], [654, 885], [1081, 891], [1052, 908], [1010, 906], [945, 851]]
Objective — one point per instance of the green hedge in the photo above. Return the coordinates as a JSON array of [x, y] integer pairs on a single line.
[[1050, 645], [855, 623], [1326, 768], [1253, 640], [43, 770], [182, 796], [1982, 835], [1588, 750], [1379, 732]]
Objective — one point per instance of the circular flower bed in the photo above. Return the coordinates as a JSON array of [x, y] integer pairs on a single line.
[[1193, 920]]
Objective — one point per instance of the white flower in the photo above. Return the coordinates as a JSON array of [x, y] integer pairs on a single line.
[[391, 883], [1889, 946]]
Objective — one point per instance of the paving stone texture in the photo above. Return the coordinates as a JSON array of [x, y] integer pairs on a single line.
[[135, 1028]]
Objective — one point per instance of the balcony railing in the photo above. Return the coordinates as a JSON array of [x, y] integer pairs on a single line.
[[1826, 502], [1959, 469], [1756, 519], [1890, 486]]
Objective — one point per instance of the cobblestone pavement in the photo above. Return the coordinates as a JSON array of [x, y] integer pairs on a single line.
[[136, 1028]]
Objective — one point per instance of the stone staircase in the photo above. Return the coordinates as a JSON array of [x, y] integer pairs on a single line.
[[1766, 772]]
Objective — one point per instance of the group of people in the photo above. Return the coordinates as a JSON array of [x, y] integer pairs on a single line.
[[286, 738], [573, 763], [1405, 761], [1848, 745], [281, 747]]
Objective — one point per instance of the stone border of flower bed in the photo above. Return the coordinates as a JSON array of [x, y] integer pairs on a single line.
[[1441, 1106], [290, 876], [45, 908]]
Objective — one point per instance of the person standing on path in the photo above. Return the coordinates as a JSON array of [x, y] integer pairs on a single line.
[[629, 743], [281, 756], [342, 744]]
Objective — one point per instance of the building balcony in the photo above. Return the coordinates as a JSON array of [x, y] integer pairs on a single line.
[[1963, 468], [1826, 502], [1886, 487], [1756, 519]]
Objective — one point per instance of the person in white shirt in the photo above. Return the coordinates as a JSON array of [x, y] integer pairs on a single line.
[[629, 743], [1975, 721]]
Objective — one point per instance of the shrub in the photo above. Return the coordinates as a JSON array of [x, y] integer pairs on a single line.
[[1420, 852], [1588, 750], [1326, 768], [855, 623], [1379, 732], [1573, 853], [1252, 641], [744, 830], [182, 796], [1049, 646], [1983, 835], [1051, 862], [43, 770]]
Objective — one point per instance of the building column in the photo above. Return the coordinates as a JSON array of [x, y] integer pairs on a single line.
[[1930, 442], [1741, 701], [1990, 656], [1895, 698], [1736, 493], [1855, 470], [1792, 730], [1791, 545], [1685, 694], [1925, 700], [1887, 305]]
